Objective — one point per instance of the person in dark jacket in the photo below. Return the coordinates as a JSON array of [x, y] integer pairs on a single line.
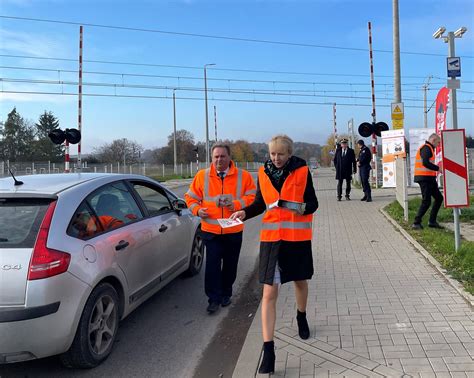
[[363, 162], [286, 233], [345, 164], [425, 175]]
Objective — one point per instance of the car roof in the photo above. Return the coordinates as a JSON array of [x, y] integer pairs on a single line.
[[52, 184]]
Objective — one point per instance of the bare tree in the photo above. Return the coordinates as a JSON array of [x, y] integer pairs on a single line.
[[120, 150]]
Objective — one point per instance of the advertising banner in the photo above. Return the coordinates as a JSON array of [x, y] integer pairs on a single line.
[[442, 101]]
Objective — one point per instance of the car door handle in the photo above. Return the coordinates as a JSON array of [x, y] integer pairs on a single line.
[[121, 245], [163, 228]]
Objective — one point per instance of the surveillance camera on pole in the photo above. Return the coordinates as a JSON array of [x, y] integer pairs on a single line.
[[459, 33], [439, 33]]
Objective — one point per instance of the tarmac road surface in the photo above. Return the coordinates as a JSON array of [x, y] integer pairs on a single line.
[[170, 334]]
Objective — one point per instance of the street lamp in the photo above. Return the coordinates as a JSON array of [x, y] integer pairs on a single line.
[[449, 38], [174, 134], [207, 120]]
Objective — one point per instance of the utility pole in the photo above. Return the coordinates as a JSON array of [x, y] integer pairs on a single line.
[[207, 117], [452, 54], [79, 113], [215, 122], [396, 54], [425, 109], [350, 129], [174, 134]]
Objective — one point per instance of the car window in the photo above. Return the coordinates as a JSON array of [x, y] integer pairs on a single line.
[[114, 205], [154, 198], [84, 223], [20, 220]]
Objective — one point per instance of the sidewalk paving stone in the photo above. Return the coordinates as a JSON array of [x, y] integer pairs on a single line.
[[376, 307]]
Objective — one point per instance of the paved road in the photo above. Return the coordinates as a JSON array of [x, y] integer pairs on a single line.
[[166, 336]]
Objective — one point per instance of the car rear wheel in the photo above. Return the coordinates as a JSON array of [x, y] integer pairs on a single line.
[[96, 331], [197, 256]]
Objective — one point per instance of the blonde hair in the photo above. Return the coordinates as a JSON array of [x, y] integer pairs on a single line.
[[282, 139]]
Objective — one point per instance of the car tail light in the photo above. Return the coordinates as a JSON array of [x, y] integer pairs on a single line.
[[47, 262]]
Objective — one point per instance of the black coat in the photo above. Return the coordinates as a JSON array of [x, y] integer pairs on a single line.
[[365, 157], [345, 166]]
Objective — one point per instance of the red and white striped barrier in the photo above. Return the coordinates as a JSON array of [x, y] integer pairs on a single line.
[[455, 173]]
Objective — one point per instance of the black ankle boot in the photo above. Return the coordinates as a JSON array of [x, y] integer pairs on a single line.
[[303, 328], [268, 361]]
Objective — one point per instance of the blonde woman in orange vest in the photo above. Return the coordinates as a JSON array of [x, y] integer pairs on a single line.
[[215, 193], [425, 175], [286, 194]]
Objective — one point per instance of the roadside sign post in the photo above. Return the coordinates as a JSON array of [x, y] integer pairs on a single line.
[[455, 175], [453, 65], [397, 115]]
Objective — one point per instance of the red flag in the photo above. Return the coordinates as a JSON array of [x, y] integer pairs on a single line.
[[442, 101]]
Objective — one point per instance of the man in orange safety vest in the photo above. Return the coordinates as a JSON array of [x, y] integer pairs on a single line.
[[425, 175], [215, 193]]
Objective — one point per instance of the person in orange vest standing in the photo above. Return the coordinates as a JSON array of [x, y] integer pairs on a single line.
[[286, 194], [425, 175], [215, 193]]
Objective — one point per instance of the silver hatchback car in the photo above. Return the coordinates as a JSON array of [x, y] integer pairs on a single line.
[[78, 253]]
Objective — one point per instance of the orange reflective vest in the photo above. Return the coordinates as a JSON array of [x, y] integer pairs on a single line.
[[420, 169], [91, 228], [280, 223], [206, 190]]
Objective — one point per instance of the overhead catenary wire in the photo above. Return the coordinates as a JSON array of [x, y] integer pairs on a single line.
[[59, 71], [338, 74], [267, 92], [328, 103], [200, 78], [218, 37]]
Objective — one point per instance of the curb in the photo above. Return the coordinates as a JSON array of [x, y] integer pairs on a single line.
[[455, 284], [249, 358]]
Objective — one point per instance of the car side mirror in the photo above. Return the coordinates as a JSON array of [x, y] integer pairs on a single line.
[[179, 205]]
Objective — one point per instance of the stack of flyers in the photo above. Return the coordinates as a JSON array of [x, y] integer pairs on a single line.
[[296, 206], [299, 207], [227, 222], [224, 200]]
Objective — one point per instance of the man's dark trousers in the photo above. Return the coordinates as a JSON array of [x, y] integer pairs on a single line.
[[364, 178], [348, 187], [222, 258], [429, 188]]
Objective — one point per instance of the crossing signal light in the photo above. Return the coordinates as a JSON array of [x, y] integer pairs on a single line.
[[366, 129], [379, 127], [73, 136], [58, 136]]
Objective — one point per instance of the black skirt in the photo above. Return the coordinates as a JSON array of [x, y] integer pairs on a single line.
[[295, 261]]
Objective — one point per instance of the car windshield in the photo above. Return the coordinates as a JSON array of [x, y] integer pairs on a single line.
[[20, 220]]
